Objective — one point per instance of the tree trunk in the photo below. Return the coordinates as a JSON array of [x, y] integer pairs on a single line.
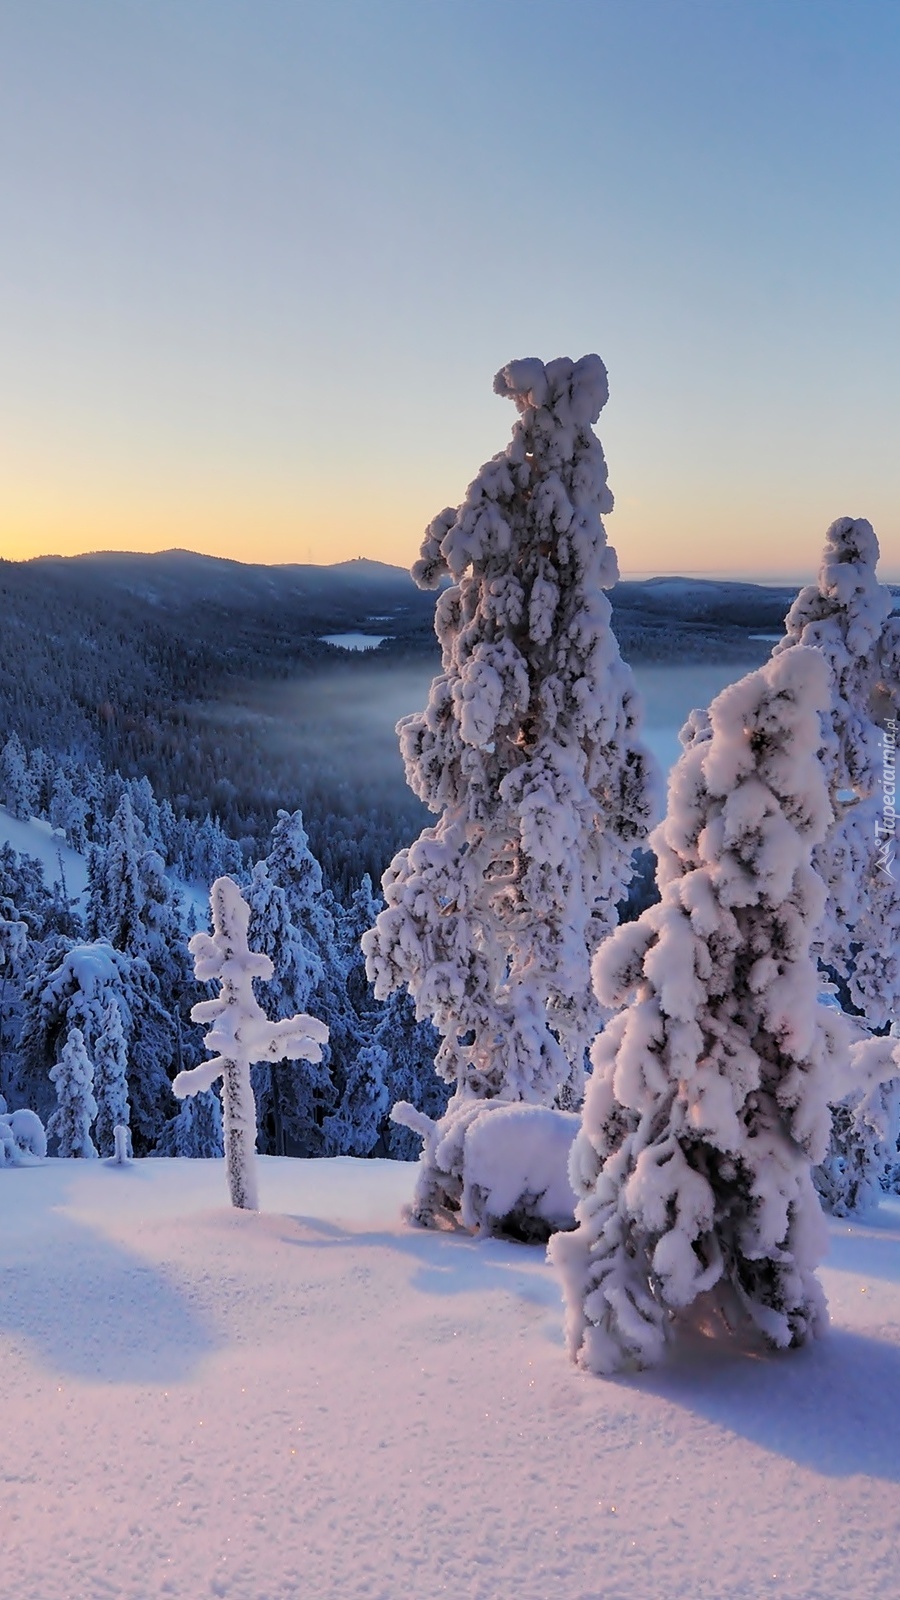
[[239, 1128]]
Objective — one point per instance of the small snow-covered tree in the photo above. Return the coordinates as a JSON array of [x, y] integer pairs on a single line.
[[72, 986], [527, 752], [131, 900], [196, 1131], [241, 1033], [410, 1048], [16, 782], [353, 1128], [862, 1152], [76, 1107], [13, 940], [708, 1104], [111, 1078], [68, 811]]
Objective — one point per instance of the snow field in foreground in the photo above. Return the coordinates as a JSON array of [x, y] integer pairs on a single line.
[[320, 1402]]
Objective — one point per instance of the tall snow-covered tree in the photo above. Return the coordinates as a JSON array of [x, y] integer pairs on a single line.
[[241, 1033], [76, 1107], [846, 615], [527, 752], [111, 1079], [364, 1067], [292, 866], [352, 922], [353, 1128], [708, 1103]]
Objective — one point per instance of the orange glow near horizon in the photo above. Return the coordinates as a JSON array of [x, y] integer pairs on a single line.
[[276, 513]]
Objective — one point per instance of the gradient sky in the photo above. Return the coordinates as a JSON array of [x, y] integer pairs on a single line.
[[261, 259]]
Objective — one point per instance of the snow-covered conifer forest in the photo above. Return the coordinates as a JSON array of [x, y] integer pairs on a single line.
[[414, 1030]]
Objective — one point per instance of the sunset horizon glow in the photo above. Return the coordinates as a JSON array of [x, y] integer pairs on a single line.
[[261, 267]]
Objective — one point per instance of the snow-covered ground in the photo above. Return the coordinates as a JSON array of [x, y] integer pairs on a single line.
[[320, 1403]]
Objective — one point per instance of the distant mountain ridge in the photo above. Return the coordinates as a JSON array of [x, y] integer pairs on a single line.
[[178, 578]]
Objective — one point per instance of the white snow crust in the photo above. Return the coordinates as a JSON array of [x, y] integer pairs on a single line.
[[319, 1403]]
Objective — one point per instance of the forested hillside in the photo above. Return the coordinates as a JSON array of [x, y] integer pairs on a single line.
[[148, 665], [210, 678]]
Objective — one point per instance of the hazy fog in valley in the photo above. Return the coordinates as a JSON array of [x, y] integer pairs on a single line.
[[345, 720]]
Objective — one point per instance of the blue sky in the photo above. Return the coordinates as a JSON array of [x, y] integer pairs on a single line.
[[262, 260]]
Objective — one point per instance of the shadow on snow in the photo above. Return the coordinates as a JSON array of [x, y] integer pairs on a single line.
[[832, 1407], [88, 1308]]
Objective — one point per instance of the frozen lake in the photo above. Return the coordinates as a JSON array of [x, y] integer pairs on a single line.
[[354, 641], [670, 693]]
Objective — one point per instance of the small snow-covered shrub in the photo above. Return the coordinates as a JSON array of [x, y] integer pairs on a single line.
[[122, 1150], [495, 1166], [22, 1137]]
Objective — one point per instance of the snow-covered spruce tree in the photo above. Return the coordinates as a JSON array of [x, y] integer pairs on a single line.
[[862, 1152], [196, 1131], [111, 1079], [13, 943], [708, 1103], [528, 753], [409, 1049], [288, 1101], [241, 1033], [312, 908], [132, 903], [76, 1107], [359, 1119], [72, 986], [16, 783], [351, 923], [846, 615], [68, 811]]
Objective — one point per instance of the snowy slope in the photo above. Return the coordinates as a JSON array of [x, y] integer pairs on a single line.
[[320, 1402], [38, 839]]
